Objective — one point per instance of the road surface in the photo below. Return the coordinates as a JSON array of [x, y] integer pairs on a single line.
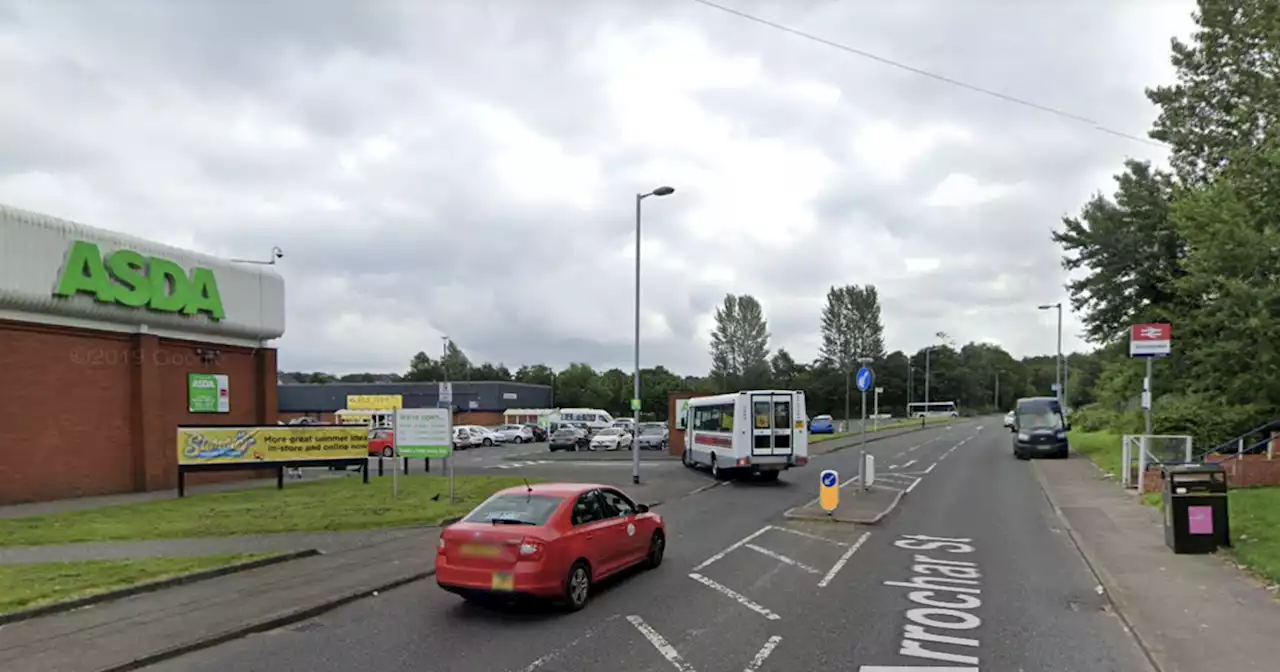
[[971, 572]]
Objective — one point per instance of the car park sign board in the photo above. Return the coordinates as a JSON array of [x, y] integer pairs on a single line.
[[1150, 340]]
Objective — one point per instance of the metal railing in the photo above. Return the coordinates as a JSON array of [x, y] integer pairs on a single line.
[[1241, 445]]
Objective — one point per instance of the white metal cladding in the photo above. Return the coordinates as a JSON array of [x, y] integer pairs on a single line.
[[33, 249]]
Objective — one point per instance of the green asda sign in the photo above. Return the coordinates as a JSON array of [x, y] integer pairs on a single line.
[[127, 278]]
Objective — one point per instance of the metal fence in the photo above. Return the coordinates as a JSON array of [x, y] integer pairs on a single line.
[[1140, 451]]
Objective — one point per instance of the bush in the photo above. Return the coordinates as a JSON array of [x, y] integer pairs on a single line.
[[1206, 418]]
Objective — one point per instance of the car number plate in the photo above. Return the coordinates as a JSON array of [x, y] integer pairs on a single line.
[[478, 551], [504, 581]]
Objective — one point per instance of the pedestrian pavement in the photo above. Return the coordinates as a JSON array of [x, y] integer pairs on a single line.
[[146, 627], [1190, 612]]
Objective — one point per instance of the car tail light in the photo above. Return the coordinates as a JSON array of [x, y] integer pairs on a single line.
[[801, 461], [440, 547], [531, 549], [744, 461]]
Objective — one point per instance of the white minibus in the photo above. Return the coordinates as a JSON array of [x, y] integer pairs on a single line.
[[756, 432], [593, 418]]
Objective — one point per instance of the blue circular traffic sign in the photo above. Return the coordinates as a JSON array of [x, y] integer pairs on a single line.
[[829, 479], [864, 379]]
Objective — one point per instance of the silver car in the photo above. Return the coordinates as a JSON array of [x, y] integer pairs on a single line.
[[653, 437], [514, 433]]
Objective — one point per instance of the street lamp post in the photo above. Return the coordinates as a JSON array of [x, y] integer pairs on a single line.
[[1057, 367], [635, 399]]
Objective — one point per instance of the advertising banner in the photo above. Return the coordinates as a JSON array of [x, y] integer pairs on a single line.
[[208, 393], [290, 443], [374, 402]]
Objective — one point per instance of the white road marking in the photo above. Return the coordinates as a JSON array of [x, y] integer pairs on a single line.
[[811, 536], [913, 668], [914, 484], [930, 469], [782, 558], [909, 463], [893, 466], [763, 654], [661, 644], [735, 546], [835, 569], [557, 652], [913, 447], [736, 596]]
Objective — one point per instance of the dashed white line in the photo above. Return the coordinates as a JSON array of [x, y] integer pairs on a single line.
[[811, 536], [661, 644], [763, 654], [914, 484], [835, 569], [782, 558], [736, 545], [909, 463], [736, 596], [930, 469]]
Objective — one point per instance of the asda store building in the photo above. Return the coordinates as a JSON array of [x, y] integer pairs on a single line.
[[108, 343]]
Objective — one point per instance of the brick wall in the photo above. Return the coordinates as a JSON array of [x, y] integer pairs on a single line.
[[675, 441], [1248, 471], [90, 413]]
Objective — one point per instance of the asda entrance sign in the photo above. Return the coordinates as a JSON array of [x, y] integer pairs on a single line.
[[130, 279]]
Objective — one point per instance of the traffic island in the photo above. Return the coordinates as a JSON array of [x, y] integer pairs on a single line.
[[863, 507]]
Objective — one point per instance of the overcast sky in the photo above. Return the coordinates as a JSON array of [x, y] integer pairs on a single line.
[[468, 167]]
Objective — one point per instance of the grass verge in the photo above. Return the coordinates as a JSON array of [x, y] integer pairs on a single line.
[[819, 438], [328, 505], [1101, 447], [29, 586], [1255, 528]]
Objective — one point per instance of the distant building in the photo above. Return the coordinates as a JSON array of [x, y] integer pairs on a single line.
[[480, 403]]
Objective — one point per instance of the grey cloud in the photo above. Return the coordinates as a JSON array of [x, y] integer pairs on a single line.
[[431, 240]]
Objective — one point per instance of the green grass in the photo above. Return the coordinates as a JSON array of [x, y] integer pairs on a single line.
[[870, 429], [328, 505], [1101, 447], [29, 586], [1255, 528]]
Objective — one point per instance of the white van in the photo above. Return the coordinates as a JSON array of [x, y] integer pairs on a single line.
[[757, 432], [594, 418]]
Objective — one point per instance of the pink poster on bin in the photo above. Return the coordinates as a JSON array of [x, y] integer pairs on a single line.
[[1200, 519]]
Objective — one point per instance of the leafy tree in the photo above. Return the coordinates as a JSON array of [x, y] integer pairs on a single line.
[[1131, 251], [1227, 96], [740, 342], [536, 374]]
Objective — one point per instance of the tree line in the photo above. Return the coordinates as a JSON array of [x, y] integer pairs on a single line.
[[971, 375], [1196, 246]]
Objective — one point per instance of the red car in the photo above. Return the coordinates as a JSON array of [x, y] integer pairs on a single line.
[[551, 541], [382, 443]]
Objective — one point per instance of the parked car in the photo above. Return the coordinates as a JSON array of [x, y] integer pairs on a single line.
[[653, 436], [483, 436], [822, 425], [624, 423], [611, 438], [1008, 420], [554, 541], [514, 433], [539, 432], [569, 438], [462, 439], [382, 443]]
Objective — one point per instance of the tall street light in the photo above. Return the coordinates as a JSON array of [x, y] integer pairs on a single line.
[[927, 353], [1057, 368], [635, 397]]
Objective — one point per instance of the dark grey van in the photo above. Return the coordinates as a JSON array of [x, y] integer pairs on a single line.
[[1040, 430]]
